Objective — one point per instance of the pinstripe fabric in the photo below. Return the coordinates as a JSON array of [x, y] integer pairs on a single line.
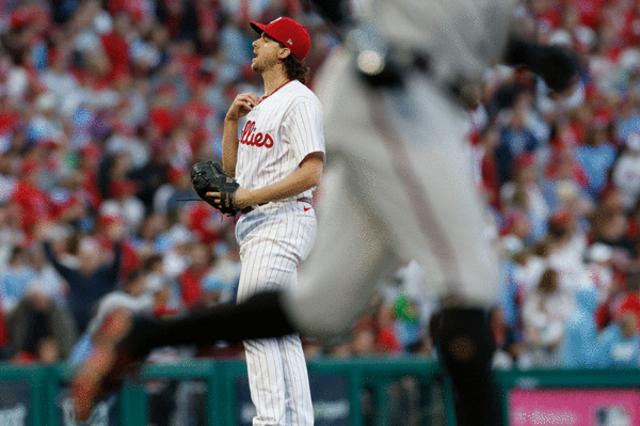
[[290, 120], [273, 240], [277, 135]]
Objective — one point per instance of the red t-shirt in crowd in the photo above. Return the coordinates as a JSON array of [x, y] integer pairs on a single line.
[[34, 204], [117, 50], [191, 286], [589, 11], [630, 303], [387, 341]]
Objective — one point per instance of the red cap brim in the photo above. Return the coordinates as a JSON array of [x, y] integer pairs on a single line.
[[257, 26], [262, 28]]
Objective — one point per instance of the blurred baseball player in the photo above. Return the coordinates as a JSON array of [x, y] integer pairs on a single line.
[[398, 186]]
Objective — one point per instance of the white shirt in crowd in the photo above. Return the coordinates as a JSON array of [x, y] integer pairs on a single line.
[[626, 176]]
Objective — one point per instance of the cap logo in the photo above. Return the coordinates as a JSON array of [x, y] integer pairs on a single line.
[[290, 41]]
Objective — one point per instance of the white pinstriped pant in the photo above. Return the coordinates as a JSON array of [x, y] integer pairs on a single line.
[[273, 240]]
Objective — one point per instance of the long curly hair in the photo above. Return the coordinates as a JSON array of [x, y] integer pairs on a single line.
[[296, 69]]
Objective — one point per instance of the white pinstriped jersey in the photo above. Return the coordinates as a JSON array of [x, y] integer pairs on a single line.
[[278, 134]]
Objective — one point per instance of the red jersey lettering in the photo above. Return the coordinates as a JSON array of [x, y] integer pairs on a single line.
[[252, 138], [268, 141]]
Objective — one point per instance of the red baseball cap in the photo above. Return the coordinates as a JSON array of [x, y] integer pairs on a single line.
[[288, 32]]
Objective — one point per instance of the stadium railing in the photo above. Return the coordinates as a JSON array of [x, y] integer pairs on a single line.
[[36, 395]]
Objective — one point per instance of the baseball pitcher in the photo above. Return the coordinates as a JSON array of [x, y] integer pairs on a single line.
[[277, 161]]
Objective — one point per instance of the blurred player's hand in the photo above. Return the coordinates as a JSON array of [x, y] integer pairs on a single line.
[[558, 67], [241, 106]]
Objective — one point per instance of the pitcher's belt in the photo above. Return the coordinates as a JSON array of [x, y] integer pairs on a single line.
[[252, 208]]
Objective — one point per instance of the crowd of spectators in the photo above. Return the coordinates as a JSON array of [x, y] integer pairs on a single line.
[[562, 177], [104, 106]]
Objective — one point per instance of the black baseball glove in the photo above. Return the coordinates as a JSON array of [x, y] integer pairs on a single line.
[[208, 176]]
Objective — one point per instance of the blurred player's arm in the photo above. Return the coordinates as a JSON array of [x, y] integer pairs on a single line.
[[241, 106], [557, 66], [305, 177]]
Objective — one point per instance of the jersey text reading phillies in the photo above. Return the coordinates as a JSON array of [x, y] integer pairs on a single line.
[[278, 134]]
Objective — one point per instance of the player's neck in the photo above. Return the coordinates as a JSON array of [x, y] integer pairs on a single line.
[[273, 79]]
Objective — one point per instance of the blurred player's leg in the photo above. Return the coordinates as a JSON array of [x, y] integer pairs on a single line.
[[123, 347], [334, 289], [442, 223], [347, 261], [447, 234], [410, 170], [466, 347], [415, 179]]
